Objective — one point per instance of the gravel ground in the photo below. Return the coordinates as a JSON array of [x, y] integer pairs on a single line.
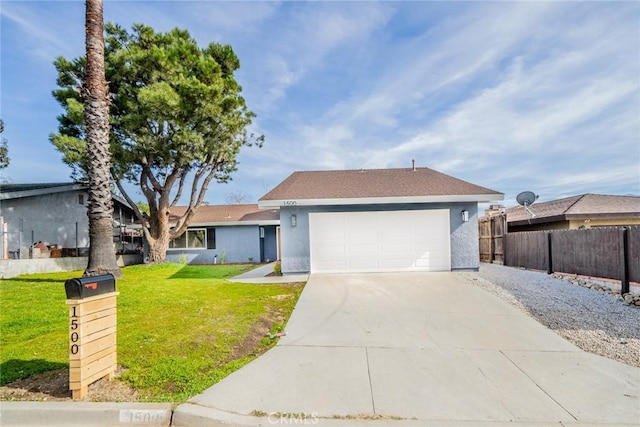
[[593, 321]]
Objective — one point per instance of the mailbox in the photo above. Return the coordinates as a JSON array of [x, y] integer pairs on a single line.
[[85, 287]]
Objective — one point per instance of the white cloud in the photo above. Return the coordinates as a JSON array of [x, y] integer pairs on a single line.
[[542, 96], [38, 37], [570, 85]]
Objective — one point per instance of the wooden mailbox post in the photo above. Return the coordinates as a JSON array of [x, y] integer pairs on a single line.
[[92, 331]]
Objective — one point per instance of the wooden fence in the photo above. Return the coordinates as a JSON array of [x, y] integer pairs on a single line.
[[611, 252], [491, 232]]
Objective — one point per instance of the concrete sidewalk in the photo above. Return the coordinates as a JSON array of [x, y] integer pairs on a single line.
[[417, 349], [261, 275]]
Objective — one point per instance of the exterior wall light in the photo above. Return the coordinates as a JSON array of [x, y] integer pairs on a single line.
[[465, 215], [294, 220]]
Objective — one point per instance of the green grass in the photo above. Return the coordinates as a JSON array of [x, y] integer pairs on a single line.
[[180, 328]]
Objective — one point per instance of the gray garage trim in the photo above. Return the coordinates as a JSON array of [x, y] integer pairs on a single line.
[[296, 245]]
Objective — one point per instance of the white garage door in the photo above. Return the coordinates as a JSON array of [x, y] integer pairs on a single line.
[[380, 241]]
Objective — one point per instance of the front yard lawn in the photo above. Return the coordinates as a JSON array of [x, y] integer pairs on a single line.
[[181, 328]]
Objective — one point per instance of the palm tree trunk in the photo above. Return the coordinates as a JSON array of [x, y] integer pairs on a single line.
[[102, 255]]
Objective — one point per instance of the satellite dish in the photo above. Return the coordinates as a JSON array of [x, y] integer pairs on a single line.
[[526, 199]]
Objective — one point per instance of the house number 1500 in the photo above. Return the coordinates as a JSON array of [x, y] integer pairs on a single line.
[[74, 334], [290, 202]]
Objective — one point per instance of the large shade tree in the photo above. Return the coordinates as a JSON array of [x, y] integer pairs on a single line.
[[178, 122], [95, 97]]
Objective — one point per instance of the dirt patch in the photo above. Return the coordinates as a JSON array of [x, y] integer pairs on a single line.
[[54, 386]]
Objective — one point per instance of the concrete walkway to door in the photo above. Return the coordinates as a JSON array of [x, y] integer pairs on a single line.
[[417, 349]]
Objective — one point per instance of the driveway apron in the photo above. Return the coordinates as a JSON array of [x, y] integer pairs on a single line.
[[416, 347]]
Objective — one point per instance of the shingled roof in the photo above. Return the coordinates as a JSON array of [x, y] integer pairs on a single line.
[[245, 214], [583, 206], [375, 186]]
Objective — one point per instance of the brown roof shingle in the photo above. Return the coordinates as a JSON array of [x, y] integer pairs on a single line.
[[591, 205], [218, 214], [372, 183]]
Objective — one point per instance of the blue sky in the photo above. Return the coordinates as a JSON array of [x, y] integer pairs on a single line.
[[540, 96]]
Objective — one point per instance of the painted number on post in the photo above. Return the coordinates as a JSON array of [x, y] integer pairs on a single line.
[[143, 416], [73, 334]]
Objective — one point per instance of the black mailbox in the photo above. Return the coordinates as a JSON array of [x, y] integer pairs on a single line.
[[84, 287]]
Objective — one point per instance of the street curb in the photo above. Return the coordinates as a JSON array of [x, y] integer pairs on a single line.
[[189, 414], [84, 414], [194, 415]]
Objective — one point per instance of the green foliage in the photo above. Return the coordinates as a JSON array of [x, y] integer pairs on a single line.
[[143, 207], [176, 115], [180, 328], [174, 104], [183, 259], [277, 268], [4, 150]]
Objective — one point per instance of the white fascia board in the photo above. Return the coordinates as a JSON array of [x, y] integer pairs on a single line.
[[264, 204], [233, 223]]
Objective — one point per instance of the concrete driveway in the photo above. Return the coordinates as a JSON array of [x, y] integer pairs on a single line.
[[417, 349]]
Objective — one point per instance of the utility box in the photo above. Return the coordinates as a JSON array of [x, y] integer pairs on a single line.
[[92, 331]]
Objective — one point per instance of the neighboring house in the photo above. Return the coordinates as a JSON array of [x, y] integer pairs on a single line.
[[226, 234], [53, 213], [583, 211], [414, 219]]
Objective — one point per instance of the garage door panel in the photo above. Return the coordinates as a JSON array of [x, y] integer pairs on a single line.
[[396, 265], [395, 251], [399, 233], [364, 250], [362, 265], [380, 241]]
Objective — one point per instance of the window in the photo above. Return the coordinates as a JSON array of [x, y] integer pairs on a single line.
[[195, 238], [81, 199]]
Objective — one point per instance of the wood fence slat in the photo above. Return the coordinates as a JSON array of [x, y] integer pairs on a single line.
[[596, 252], [634, 253]]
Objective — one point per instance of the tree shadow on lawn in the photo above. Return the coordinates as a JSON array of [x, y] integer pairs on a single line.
[[15, 369], [36, 280]]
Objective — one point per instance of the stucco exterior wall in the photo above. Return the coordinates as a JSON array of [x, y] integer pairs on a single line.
[[236, 243], [49, 218], [295, 240], [270, 244]]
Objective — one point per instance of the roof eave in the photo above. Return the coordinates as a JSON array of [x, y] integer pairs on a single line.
[[41, 191], [616, 215], [536, 220], [449, 198]]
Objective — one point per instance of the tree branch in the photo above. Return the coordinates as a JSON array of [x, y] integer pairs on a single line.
[[146, 168], [144, 220], [183, 177]]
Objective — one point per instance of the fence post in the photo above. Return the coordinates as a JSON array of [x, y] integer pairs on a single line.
[[504, 247], [625, 261], [549, 254], [491, 245], [505, 231]]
